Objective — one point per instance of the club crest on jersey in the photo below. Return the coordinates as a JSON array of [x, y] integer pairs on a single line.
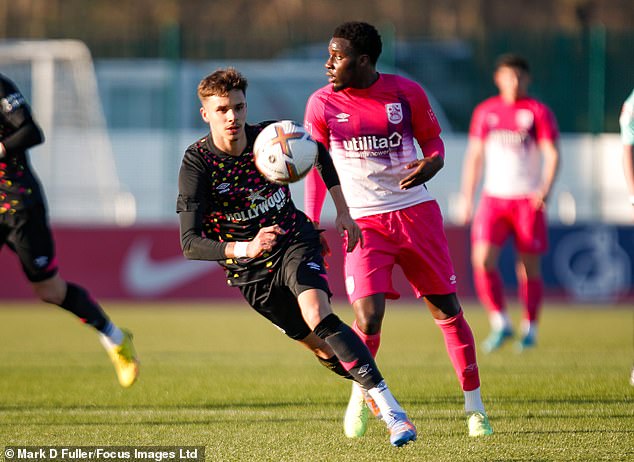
[[394, 112], [524, 119]]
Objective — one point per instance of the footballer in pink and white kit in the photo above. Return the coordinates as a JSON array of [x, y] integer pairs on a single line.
[[513, 139], [370, 122]]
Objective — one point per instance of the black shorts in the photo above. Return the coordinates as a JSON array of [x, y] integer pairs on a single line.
[[27, 233], [302, 268]]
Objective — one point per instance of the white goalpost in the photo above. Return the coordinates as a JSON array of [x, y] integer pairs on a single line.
[[75, 163]]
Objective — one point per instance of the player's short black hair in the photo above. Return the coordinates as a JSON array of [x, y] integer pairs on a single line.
[[512, 60], [363, 37], [221, 82]]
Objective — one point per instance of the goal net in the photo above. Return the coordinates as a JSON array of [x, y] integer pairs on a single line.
[[75, 163]]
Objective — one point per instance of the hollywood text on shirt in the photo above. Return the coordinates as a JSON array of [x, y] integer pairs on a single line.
[[277, 200]]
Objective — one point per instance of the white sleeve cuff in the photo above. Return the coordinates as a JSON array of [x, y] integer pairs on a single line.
[[240, 249]]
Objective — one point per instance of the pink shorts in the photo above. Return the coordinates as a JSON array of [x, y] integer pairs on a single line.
[[413, 238], [497, 219]]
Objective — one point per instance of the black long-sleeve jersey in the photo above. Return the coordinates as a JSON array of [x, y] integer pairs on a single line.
[[224, 198], [19, 188]]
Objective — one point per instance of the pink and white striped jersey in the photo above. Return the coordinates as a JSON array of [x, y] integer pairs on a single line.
[[370, 134], [511, 133]]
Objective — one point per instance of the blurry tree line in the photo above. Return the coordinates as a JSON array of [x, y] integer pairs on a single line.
[[580, 46]]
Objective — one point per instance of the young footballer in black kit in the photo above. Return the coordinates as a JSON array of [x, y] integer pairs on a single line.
[[269, 249], [24, 228]]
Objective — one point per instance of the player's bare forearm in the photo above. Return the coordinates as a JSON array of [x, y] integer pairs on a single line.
[[550, 169], [628, 168], [471, 174], [344, 222]]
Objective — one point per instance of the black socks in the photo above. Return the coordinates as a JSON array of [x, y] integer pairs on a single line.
[[350, 350], [78, 302]]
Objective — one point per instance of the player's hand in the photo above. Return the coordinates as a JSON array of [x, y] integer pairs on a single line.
[[539, 201], [465, 211], [423, 171], [349, 230], [264, 241]]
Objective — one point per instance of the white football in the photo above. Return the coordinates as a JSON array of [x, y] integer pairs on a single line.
[[284, 152]]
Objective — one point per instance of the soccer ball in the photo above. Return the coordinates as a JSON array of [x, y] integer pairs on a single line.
[[284, 152]]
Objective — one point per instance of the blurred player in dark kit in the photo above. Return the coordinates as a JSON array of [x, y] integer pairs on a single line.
[[231, 214], [24, 228]]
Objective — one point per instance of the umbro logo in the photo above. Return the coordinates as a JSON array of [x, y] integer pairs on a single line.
[[342, 117], [223, 188], [364, 370], [41, 262]]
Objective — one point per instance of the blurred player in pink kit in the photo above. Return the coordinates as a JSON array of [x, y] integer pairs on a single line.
[[369, 122], [513, 138]]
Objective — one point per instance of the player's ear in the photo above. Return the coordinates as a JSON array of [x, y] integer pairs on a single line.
[[203, 114], [364, 60]]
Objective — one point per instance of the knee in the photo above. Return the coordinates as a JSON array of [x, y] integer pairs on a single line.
[[369, 323], [443, 306], [51, 291], [483, 263]]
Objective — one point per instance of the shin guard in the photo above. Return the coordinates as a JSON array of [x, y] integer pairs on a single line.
[[351, 351], [79, 302]]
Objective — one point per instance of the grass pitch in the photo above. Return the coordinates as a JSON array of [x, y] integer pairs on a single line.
[[224, 378]]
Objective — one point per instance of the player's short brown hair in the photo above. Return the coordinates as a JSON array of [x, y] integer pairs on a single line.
[[514, 61], [221, 82]]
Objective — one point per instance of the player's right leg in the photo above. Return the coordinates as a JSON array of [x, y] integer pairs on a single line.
[[32, 241], [489, 231], [368, 273], [304, 273], [369, 312], [490, 291]]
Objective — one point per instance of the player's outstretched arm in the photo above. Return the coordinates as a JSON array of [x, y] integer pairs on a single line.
[[471, 174]]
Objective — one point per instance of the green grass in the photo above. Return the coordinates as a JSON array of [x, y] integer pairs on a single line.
[[224, 378]]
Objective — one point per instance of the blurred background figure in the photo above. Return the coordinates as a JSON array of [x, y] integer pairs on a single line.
[[627, 136], [24, 228], [513, 139]]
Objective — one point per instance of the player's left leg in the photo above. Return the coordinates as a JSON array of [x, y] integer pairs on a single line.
[[460, 345], [427, 265], [532, 242], [530, 291]]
